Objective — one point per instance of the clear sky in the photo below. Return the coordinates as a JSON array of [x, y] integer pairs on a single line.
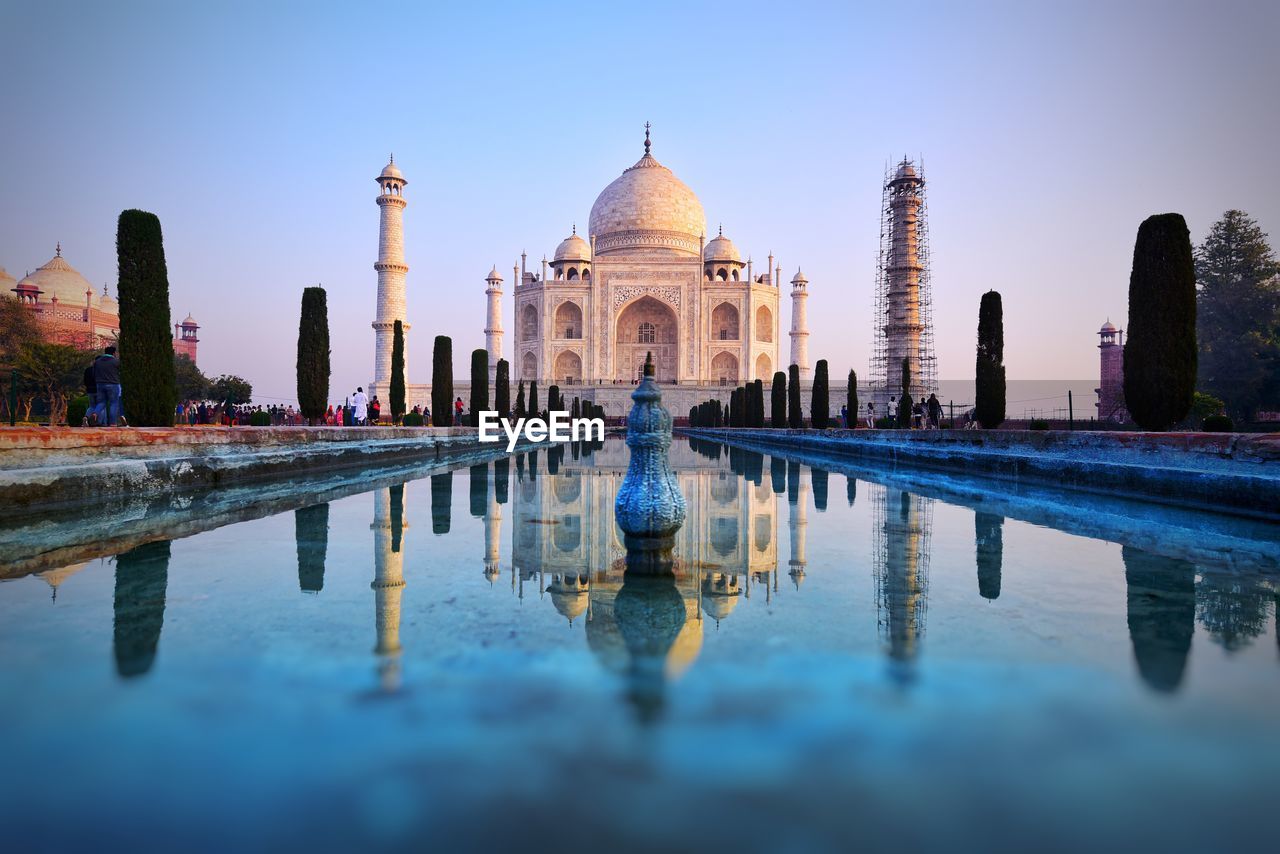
[[1048, 132]]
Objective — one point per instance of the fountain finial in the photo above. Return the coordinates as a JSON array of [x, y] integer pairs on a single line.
[[649, 506]]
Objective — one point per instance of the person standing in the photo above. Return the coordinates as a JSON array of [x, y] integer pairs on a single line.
[[892, 411], [106, 377], [375, 410], [935, 412], [871, 415], [91, 389], [457, 412], [360, 405]]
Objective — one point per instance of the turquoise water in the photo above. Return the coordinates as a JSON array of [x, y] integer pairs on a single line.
[[845, 658]]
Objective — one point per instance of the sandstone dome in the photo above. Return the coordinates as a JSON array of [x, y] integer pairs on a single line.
[[573, 248], [59, 279], [7, 282], [647, 207]]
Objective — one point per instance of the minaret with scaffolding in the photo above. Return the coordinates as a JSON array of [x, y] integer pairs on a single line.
[[902, 314]]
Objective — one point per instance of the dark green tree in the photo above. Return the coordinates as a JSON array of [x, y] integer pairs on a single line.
[[479, 384], [988, 409], [820, 402], [395, 387], [192, 383], [778, 401], [313, 354], [149, 387], [442, 382], [1238, 316], [520, 410], [533, 398], [502, 389], [905, 402], [1160, 352], [757, 403], [795, 418], [851, 404], [231, 389]]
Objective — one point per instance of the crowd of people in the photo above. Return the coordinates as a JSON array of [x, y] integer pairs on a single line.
[[925, 415]]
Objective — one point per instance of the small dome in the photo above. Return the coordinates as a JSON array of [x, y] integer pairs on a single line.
[[721, 249], [390, 171], [1108, 327], [798, 278], [190, 321], [494, 275], [573, 248], [7, 282], [906, 169]]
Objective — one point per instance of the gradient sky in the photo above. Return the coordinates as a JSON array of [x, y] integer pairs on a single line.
[[1048, 132]]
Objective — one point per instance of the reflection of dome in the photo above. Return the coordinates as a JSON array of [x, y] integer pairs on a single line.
[[647, 206], [569, 596], [719, 595], [59, 279], [573, 248]]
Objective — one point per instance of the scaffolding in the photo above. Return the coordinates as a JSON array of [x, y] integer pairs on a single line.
[[902, 315]]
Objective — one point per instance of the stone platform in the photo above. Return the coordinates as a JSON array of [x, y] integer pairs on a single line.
[[47, 468], [1234, 473]]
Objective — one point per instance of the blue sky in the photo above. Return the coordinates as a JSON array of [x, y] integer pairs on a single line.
[[1048, 132]]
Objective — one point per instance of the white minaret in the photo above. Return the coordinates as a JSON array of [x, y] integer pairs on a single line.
[[800, 324], [391, 271], [493, 325]]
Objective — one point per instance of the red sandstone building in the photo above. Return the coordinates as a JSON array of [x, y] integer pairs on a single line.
[[70, 312], [1110, 389]]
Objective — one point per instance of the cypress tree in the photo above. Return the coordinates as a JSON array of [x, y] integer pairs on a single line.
[[851, 405], [554, 403], [820, 404], [442, 382], [575, 411], [396, 392], [989, 403], [1160, 352], [905, 402], [795, 418], [757, 399], [149, 383], [313, 354], [479, 384], [533, 397], [520, 411], [502, 389], [778, 401]]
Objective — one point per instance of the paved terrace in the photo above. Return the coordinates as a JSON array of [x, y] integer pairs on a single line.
[[1237, 473], [46, 468]]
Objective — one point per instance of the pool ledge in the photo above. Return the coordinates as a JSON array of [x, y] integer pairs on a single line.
[[1235, 473], [55, 467]]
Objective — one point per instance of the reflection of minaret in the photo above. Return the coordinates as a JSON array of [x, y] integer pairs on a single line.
[[492, 536], [797, 521], [311, 534], [901, 561], [142, 578], [1162, 615], [388, 577], [989, 545]]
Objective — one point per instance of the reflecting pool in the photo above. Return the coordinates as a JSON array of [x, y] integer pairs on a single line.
[[842, 657]]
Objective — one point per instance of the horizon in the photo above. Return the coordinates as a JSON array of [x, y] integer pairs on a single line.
[[258, 145]]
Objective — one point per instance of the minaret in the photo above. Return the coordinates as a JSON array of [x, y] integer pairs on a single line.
[[798, 523], [493, 324], [800, 324], [391, 272], [1110, 389], [492, 536]]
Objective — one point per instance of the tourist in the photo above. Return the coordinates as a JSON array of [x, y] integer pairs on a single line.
[[935, 412], [328, 416], [425, 413], [457, 411], [917, 416], [891, 411], [844, 417], [375, 410], [360, 406], [871, 415], [91, 389], [106, 376]]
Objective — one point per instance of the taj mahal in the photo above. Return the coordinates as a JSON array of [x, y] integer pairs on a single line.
[[643, 278]]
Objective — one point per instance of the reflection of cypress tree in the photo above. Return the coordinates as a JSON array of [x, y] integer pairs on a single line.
[[988, 538], [850, 488], [554, 453], [819, 478], [1232, 606], [501, 478], [1162, 614], [311, 533], [479, 489], [533, 465], [737, 463], [396, 506], [142, 577], [520, 468], [753, 464], [441, 502], [778, 474], [793, 482]]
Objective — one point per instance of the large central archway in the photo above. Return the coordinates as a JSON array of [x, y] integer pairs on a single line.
[[647, 326]]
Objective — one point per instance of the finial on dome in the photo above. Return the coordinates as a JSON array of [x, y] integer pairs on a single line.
[[59, 249], [721, 227], [393, 157], [646, 138], [575, 228]]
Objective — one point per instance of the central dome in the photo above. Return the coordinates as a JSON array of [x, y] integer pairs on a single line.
[[647, 207]]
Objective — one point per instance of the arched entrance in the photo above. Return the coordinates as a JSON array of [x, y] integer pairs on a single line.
[[568, 368], [724, 369], [647, 326], [764, 368]]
